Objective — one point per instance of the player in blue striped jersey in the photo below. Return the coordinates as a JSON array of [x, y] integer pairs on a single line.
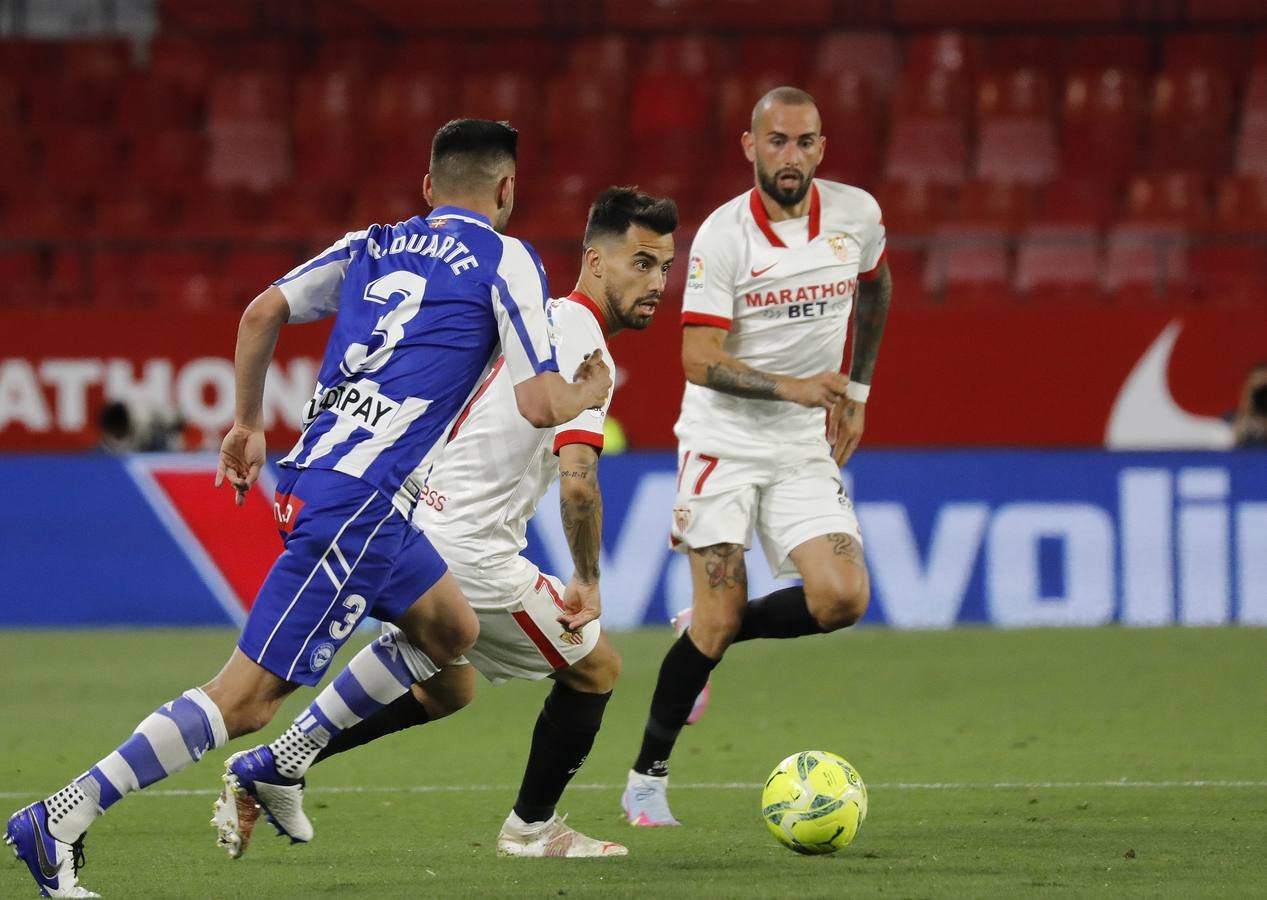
[[423, 308]]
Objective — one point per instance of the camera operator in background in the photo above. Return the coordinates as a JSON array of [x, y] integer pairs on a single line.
[[1250, 422]]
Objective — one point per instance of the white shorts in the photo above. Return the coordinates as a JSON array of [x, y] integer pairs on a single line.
[[520, 637], [720, 500]]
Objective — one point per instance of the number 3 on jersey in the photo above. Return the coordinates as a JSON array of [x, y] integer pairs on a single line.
[[362, 359], [355, 605]]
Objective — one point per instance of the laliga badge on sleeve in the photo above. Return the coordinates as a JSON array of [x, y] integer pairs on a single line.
[[695, 274]]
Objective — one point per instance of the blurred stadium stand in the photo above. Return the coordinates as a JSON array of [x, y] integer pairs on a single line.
[[184, 154]]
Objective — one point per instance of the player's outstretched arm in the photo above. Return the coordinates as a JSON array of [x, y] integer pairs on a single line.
[[242, 451], [709, 365], [848, 416], [547, 399], [581, 507]]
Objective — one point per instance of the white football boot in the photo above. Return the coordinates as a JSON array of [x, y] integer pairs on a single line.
[[252, 785], [646, 801], [551, 838]]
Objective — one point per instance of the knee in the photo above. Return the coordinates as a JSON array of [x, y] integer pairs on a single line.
[[840, 602], [596, 673], [444, 640], [446, 699]]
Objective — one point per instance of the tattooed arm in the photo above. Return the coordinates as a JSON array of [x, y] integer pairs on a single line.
[[581, 507], [709, 365], [844, 428]]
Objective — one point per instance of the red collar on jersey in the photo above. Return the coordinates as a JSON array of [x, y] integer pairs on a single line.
[[588, 303], [763, 220]]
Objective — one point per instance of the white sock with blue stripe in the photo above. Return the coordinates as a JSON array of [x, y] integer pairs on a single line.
[[380, 673], [172, 738]]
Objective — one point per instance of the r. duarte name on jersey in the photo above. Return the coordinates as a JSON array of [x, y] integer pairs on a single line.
[[845, 287], [447, 248], [358, 402]]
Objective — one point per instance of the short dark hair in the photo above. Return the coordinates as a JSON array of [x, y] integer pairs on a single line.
[[787, 95], [616, 208], [466, 153]]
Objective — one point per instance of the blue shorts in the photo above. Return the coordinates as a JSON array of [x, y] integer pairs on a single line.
[[348, 553]]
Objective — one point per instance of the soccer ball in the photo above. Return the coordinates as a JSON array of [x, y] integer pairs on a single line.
[[814, 802]]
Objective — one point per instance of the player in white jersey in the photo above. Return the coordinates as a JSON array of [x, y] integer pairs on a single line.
[[767, 418], [475, 508]]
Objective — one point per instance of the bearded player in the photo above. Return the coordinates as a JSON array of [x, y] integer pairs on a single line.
[[773, 277], [475, 508]]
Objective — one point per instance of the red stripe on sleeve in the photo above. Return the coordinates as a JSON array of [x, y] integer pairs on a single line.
[[695, 318], [577, 436]]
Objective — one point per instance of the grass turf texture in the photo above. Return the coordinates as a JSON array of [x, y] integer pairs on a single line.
[[935, 723]]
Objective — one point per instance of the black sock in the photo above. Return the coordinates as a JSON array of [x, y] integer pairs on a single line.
[[781, 614], [566, 727], [403, 712], [683, 675]]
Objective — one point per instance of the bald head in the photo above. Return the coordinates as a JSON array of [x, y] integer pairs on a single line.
[[781, 96]]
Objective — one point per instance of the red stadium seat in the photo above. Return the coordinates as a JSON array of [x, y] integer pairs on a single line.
[[228, 17], [906, 265], [332, 156], [1175, 198], [21, 275], [311, 210], [687, 54], [409, 106], [11, 105], [1229, 273], [248, 272], [130, 213], [1034, 50], [927, 149], [219, 213], [1251, 149], [669, 15], [1058, 261], [328, 100], [760, 14], [1073, 200], [948, 51], [586, 126], [169, 159], [40, 211], [387, 200], [852, 124], [1240, 205], [781, 59], [154, 103], [1191, 121], [603, 57], [1017, 149], [257, 155], [183, 279], [1145, 260], [969, 258], [19, 158], [247, 96], [1128, 50], [1003, 205], [83, 158], [534, 56], [1224, 50], [441, 56], [875, 55], [1102, 124], [506, 96], [95, 60], [1019, 92], [939, 93], [358, 54], [912, 207]]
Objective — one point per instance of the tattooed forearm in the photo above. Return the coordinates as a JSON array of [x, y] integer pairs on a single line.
[[844, 545], [869, 315], [581, 508], [724, 566], [741, 381]]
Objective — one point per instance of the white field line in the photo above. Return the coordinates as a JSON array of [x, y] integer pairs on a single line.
[[725, 786]]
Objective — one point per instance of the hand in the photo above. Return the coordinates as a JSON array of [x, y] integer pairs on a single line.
[[822, 390], [582, 604], [596, 376], [844, 428], [241, 458]]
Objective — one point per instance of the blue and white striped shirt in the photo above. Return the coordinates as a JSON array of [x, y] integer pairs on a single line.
[[422, 308]]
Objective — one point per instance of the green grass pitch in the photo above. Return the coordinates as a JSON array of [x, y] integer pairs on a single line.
[[1096, 763]]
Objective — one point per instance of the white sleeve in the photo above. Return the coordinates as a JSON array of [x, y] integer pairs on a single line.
[[576, 334], [710, 279], [519, 295], [873, 243], [312, 289]]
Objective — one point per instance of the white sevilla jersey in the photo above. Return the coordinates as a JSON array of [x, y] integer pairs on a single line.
[[784, 292], [490, 477]]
